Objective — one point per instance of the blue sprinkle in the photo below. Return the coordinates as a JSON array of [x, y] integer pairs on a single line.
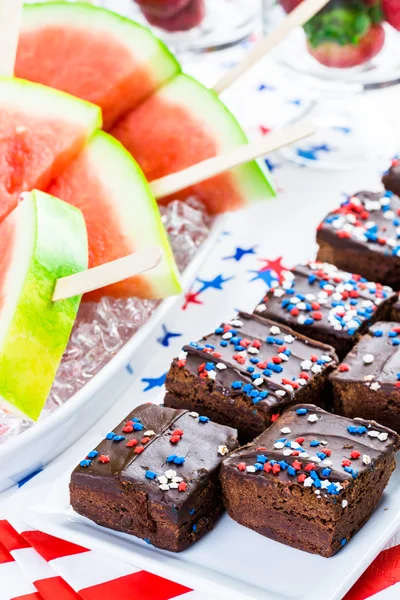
[[111, 435], [326, 472], [287, 352], [194, 528], [219, 330], [309, 321], [270, 340], [237, 385], [261, 458], [179, 460], [291, 471], [85, 463], [191, 511], [321, 455], [332, 489], [312, 278], [150, 475], [254, 361], [314, 443], [361, 430], [171, 458], [279, 342], [204, 419], [352, 429], [258, 466], [277, 369], [263, 394], [137, 427], [135, 420], [301, 411], [223, 343], [209, 346], [250, 369], [392, 334], [210, 366], [247, 388], [120, 438], [343, 542], [398, 376], [92, 454], [267, 372], [396, 343], [283, 464], [313, 474], [280, 440], [255, 376], [253, 394], [147, 540]]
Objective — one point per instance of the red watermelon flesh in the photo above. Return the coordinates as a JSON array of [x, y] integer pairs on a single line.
[[8, 234], [121, 216], [182, 124], [93, 54], [41, 131]]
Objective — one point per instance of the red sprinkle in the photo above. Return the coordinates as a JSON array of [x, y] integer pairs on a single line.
[[315, 305], [261, 448], [295, 312], [138, 449], [145, 440], [276, 360], [296, 465], [201, 367], [262, 365], [355, 454], [301, 478], [127, 429], [343, 367], [181, 363], [274, 418], [327, 451], [267, 467], [177, 432], [104, 458], [132, 443], [241, 466], [256, 344], [276, 468], [182, 487], [346, 462], [317, 316], [239, 358], [309, 467], [174, 439], [314, 358], [299, 440]]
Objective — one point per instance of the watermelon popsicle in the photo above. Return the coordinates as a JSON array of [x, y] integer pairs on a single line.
[[42, 240]]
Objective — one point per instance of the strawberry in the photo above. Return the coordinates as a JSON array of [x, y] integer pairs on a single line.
[[162, 8], [391, 10], [346, 37], [187, 18]]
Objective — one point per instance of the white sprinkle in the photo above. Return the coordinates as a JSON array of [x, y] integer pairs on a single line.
[[222, 450], [326, 463], [316, 369], [275, 330], [301, 319], [288, 387], [302, 306], [294, 300], [279, 445], [301, 381], [317, 492], [194, 415], [366, 459], [338, 486], [173, 486], [251, 469], [315, 459], [182, 355], [162, 479], [260, 308], [287, 452], [149, 433], [383, 436], [325, 483], [177, 479], [281, 393], [170, 474], [279, 292], [389, 215], [368, 359], [373, 433], [164, 487], [285, 430], [308, 482], [236, 323], [375, 386], [252, 350], [306, 365], [211, 374], [227, 335], [344, 503], [326, 358], [304, 455], [283, 357], [221, 366], [323, 442], [289, 339], [312, 418], [295, 445], [258, 381]]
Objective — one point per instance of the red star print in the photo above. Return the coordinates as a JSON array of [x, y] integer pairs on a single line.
[[264, 130], [276, 265], [191, 298]]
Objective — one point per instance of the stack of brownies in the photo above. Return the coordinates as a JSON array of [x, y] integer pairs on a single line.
[[303, 382]]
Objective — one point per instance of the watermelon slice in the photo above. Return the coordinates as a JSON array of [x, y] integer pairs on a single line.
[[41, 131], [93, 54], [121, 216], [182, 124], [42, 240]]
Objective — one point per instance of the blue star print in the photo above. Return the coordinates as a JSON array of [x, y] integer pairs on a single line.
[[215, 284], [239, 253], [268, 276], [312, 152], [168, 335], [154, 382]]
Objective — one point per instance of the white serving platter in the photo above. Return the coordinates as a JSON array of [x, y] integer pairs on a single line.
[[231, 562], [37, 446]]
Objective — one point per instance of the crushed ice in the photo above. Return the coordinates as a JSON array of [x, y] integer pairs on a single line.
[[102, 328]]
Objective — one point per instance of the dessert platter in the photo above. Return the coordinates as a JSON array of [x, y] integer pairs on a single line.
[[275, 440]]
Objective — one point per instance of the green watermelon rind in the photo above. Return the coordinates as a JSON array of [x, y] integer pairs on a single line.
[[40, 329], [143, 227], [253, 180], [140, 40], [41, 100]]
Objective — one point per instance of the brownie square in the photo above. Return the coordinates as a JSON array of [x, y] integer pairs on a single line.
[[362, 236], [326, 304], [155, 476], [391, 179], [247, 372], [311, 480], [367, 383]]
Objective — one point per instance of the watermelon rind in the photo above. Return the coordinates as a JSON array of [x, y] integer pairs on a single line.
[[253, 178], [144, 47], [50, 242], [42, 101], [131, 206]]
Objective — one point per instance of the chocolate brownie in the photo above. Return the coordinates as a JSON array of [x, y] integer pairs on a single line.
[[155, 476], [326, 304], [247, 372], [391, 179], [367, 383], [362, 236], [311, 480]]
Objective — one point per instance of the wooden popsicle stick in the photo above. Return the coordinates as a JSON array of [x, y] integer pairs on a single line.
[[111, 272], [219, 164], [299, 16], [10, 25]]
